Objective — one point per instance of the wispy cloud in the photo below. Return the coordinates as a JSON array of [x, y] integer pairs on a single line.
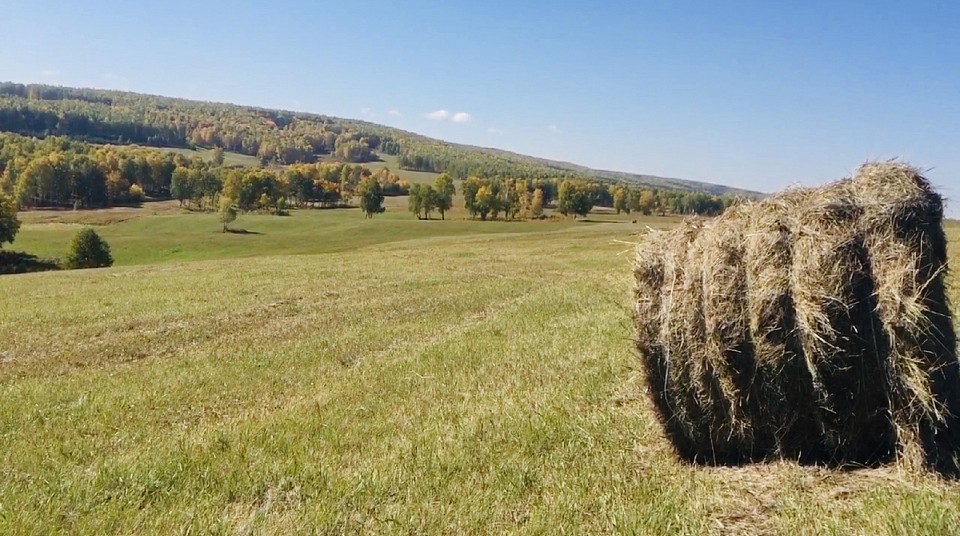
[[492, 130], [395, 113], [438, 115], [49, 72], [366, 111], [460, 117], [555, 129]]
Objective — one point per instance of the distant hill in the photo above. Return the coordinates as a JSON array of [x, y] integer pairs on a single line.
[[278, 136]]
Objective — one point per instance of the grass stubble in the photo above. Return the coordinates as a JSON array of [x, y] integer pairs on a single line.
[[410, 383]]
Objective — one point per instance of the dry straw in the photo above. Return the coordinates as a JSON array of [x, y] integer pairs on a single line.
[[812, 325]]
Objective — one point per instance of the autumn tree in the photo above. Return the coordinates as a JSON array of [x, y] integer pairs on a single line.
[[227, 213], [509, 200], [484, 202], [536, 204], [620, 201], [647, 202], [522, 193]]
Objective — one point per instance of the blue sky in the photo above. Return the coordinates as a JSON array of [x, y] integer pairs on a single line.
[[751, 94]]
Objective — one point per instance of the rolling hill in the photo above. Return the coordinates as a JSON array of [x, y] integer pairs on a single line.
[[280, 136]]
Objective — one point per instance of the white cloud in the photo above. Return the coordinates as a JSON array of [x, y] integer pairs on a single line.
[[395, 113], [555, 129], [49, 72], [460, 117], [366, 111], [492, 130], [438, 115]]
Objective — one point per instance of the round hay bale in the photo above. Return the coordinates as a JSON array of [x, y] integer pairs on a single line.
[[812, 325]]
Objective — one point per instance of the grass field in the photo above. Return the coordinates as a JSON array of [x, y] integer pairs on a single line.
[[237, 159], [341, 375], [392, 162], [229, 158]]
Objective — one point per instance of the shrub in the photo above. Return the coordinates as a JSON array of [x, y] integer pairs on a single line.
[[88, 250], [136, 193]]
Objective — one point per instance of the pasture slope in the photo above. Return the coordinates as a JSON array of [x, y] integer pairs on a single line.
[[336, 375]]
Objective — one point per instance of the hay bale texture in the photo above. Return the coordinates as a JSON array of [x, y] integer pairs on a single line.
[[812, 325]]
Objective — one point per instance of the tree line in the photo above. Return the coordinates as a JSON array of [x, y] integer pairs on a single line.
[[60, 172], [527, 199]]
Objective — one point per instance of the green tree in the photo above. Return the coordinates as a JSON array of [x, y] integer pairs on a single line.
[[497, 200], [216, 156], [88, 250], [181, 185], [565, 198], [371, 196], [470, 188], [430, 199], [445, 191], [575, 198], [633, 199], [415, 201], [227, 213], [9, 224]]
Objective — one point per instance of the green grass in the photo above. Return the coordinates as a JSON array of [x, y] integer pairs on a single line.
[[336, 375], [229, 158], [175, 235], [392, 162]]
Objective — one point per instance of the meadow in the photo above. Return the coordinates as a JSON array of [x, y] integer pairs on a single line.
[[329, 374], [229, 158]]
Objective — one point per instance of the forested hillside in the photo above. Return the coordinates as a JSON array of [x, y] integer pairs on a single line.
[[275, 136]]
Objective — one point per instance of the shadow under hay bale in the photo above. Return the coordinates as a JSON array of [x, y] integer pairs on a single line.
[[812, 325]]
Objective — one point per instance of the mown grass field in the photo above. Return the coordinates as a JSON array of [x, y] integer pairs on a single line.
[[229, 158], [341, 375], [392, 162]]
